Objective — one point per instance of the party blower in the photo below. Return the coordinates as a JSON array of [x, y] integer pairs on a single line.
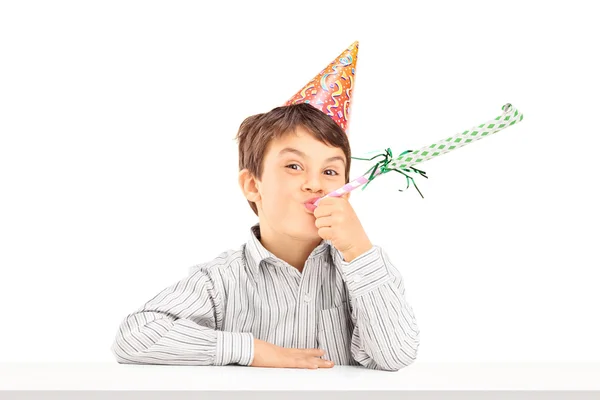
[[405, 162]]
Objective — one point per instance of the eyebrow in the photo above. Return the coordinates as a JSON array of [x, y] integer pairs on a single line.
[[302, 154]]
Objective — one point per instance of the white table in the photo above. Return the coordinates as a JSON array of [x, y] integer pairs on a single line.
[[420, 380]]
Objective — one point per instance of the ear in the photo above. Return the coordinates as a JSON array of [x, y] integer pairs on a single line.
[[248, 185]]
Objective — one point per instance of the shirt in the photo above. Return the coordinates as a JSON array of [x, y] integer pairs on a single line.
[[355, 311]]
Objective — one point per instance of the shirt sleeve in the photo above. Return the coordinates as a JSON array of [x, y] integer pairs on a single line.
[[181, 326], [385, 335]]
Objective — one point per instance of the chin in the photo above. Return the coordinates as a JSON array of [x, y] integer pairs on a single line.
[[312, 231], [302, 227]]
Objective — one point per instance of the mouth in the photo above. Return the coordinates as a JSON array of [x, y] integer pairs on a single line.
[[312, 201], [309, 205]]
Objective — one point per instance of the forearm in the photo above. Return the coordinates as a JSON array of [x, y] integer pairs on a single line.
[[149, 337], [386, 335]]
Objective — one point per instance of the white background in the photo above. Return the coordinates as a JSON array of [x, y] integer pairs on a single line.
[[118, 165]]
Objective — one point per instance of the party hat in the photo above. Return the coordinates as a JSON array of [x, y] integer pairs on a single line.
[[331, 90]]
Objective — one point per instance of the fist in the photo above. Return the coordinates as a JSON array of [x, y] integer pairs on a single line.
[[337, 222]]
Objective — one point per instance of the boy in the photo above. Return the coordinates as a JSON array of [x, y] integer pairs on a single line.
[[307, 290]]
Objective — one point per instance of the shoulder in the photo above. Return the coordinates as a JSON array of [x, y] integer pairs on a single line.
[[226, 262]]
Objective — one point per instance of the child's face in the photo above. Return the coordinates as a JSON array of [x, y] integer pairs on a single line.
[[292, 177]]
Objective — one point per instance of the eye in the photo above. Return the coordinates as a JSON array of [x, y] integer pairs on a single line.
[[335, 173], [291, 165]]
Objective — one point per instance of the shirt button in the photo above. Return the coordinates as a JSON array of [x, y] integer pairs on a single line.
[[357, 278], [306, 298]]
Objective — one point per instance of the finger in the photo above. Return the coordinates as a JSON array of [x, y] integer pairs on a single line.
[[314, 363], [309, 352], [319, 363], [323, 210], [314, 352], [305, 363], [326, 233], [323, 222], [323, 363]]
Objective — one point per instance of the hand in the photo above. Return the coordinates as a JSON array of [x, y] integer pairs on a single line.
[[338, 223], [272, 356]]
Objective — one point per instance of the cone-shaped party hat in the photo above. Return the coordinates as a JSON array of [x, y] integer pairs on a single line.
[[331, 90]]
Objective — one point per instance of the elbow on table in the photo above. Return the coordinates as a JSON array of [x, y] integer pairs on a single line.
[[399, 357], [131, 341], [121, 355]]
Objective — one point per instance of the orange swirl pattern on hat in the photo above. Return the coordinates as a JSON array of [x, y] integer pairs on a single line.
[[331, 90]]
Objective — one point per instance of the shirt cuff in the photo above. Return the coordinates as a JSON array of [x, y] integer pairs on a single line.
[[234, 348], [366, 272]]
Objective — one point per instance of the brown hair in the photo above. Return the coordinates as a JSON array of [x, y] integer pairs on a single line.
[[257, 131]]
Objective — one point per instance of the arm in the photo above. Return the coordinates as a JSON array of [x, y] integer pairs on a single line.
[[181, 326], [386, 335]]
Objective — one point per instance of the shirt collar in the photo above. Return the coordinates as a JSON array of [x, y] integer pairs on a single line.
[[256, 253]]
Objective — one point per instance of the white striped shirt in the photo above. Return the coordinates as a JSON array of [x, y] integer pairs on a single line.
[[356, 311]]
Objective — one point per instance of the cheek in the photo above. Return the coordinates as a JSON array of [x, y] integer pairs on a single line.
[[284, 186], [279, 195]]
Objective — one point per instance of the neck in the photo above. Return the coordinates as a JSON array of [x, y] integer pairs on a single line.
[[292, 250]]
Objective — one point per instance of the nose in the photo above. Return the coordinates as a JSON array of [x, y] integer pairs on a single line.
[[313, 184]]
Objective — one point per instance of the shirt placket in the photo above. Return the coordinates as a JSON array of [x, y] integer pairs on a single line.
[[306, 309]]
